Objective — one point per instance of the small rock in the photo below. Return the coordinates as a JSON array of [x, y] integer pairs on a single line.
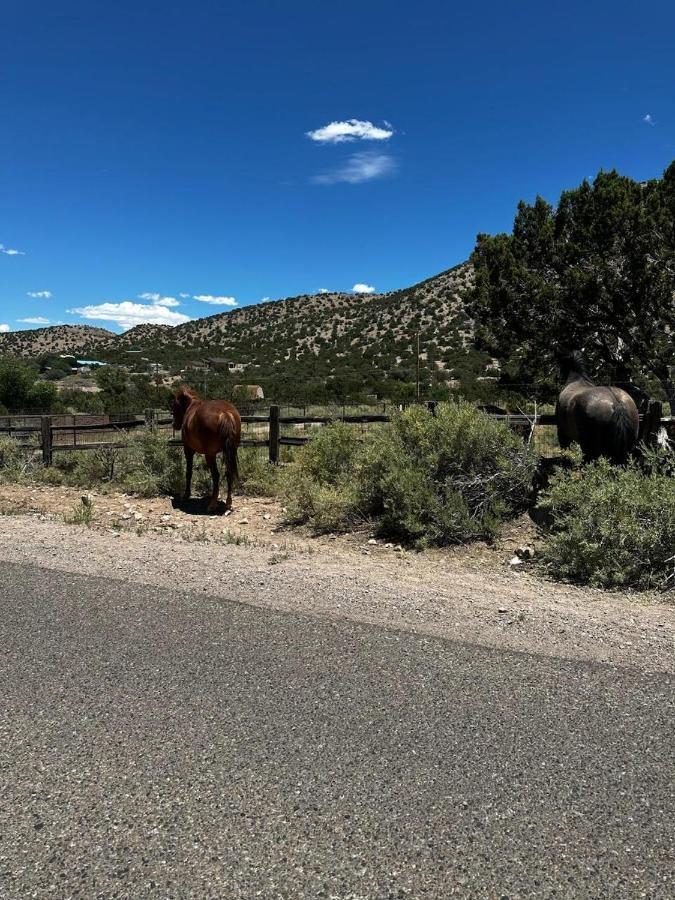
[[502, 609], [389, 546], [515, 561], [138, 516], [267, 516], [126, 516], [372, 542], [525, 552], [86, 500], [243, 521]]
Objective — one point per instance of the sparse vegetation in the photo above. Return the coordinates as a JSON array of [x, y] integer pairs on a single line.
[[613, 527], [425, 480], [82, 514]]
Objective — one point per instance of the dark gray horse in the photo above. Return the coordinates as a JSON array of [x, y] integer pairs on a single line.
[[604, 421]]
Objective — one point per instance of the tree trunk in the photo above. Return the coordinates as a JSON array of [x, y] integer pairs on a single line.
[[669, 388]]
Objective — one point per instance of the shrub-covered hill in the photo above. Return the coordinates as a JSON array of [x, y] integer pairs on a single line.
[[364, 338], [55, 339]]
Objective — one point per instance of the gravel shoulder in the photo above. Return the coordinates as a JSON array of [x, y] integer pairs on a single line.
[[468, 594]]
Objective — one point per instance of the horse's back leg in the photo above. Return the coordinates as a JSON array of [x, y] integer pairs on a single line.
[[229, 474], [212, 463], [189, 459]]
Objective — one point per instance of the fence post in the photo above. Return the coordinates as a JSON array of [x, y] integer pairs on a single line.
[[46, 428], [150, 416], [274, 434], [651, 423]]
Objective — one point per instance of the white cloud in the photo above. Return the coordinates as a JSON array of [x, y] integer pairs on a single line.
[[215, 301], [351, 130], [358, 168], [363, 289], [648, 119], [159, 299], [264, 300], [35, 320], [4, 328], [127, 313], [183, 295], [323, 291], [8, 251], [44, 295]]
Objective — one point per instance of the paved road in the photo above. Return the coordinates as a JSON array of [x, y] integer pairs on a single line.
[[173, 745]]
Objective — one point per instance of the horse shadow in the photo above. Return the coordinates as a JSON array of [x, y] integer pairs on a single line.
[[197, 506]]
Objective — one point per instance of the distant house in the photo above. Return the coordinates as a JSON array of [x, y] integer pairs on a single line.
[[248, 392], [217, 362]]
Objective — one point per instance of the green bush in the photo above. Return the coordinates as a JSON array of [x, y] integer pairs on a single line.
[[426, 480], [17, 462], [612, 527], [148, 466], [257, 478]]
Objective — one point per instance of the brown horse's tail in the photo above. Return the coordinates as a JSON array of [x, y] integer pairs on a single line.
[[229, 433]]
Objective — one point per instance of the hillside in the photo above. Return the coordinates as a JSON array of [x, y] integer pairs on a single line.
[[55, 339], [366, 338]]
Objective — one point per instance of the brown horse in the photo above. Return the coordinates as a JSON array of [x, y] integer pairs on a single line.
[[208, 427], [604, 421]]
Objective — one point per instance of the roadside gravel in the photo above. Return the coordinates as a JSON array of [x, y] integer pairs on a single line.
[[472, 595]]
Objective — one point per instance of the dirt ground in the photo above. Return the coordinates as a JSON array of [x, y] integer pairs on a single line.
[[472, 593]]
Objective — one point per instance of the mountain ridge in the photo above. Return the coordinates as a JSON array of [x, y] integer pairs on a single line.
[[312, 334]]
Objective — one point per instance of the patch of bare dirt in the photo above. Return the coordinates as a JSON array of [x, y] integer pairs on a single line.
[[471, 594]]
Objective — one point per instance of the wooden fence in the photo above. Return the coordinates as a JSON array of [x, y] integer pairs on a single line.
[[87, 435]]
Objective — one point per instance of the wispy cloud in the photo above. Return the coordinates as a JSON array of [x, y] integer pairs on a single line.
[[8, 251], [648, 119], [183, 295], [323, 291], [363, 288], [127, 313], [351, 130], [4, 328], [43, 295], [35, 320], [359, 167], [159, 299], [215, 300]]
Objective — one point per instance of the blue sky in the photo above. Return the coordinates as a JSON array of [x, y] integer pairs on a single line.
[[154, 153]]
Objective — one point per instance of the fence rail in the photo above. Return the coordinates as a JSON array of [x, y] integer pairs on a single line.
[[49, 427]]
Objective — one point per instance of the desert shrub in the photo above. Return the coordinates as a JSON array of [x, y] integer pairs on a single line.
[[257, 478], [318, 487], [11, 459], [17, 462], [612, 526], [149, 466], [424, 479]]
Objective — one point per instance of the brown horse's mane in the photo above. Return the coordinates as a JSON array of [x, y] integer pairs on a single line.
[[184, 391]]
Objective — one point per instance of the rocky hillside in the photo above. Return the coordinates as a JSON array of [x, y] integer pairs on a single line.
[[320, 335], [56, 339]]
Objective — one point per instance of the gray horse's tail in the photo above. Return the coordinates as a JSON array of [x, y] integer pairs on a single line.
[[622, 434]]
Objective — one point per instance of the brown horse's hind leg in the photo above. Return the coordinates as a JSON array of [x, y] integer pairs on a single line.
[[189, 459], [212, 463]]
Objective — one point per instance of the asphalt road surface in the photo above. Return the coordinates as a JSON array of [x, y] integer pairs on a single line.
[[158, 744]]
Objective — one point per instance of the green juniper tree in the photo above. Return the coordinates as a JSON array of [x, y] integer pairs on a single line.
[[596, 272]]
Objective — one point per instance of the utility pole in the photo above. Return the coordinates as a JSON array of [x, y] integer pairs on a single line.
[[418, 366]]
